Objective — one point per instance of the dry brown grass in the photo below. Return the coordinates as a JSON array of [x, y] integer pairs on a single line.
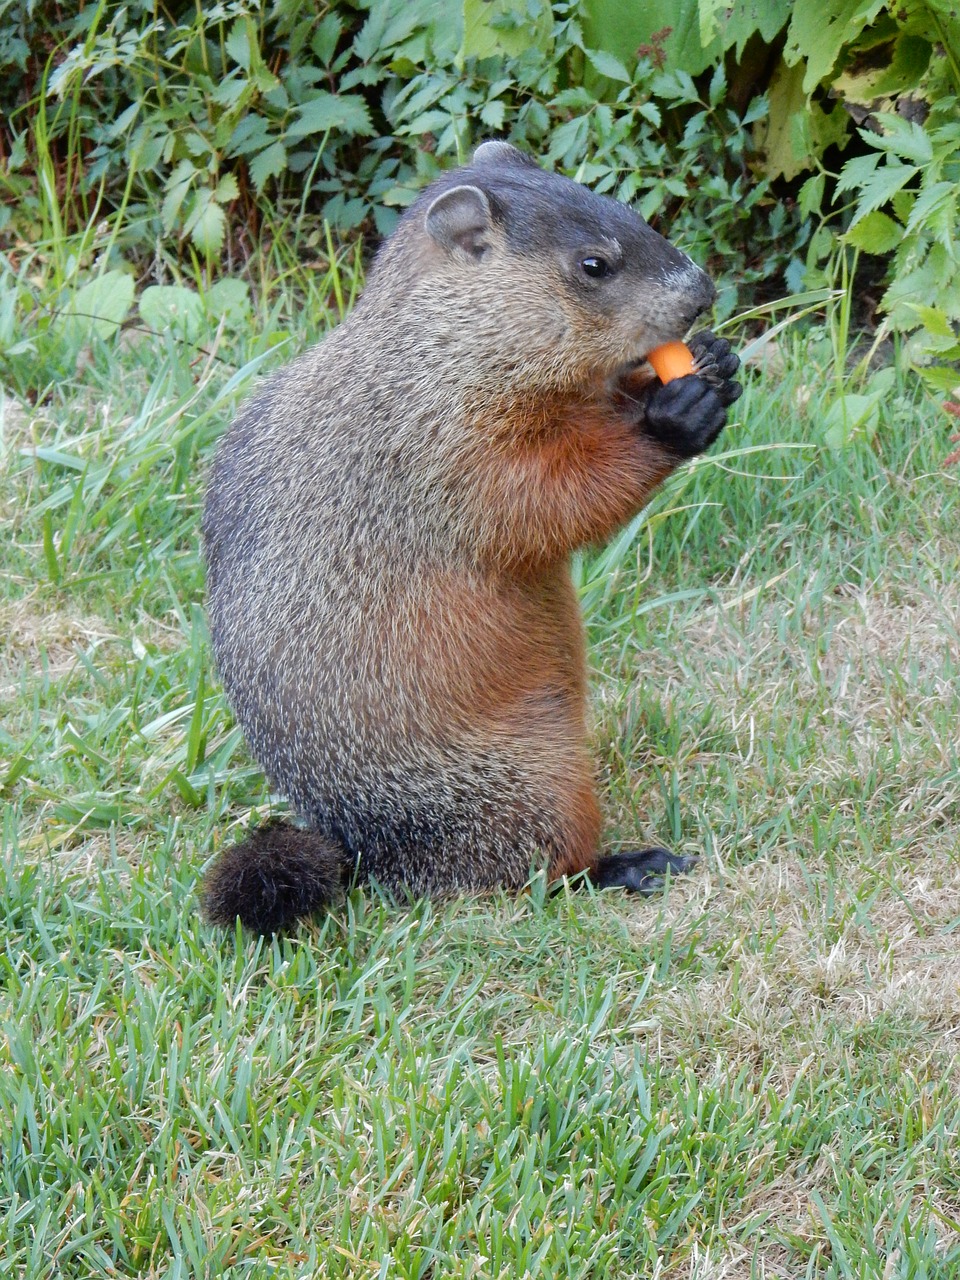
[[39, 636]]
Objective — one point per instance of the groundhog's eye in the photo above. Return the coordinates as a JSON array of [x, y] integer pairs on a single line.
[[595, 267]]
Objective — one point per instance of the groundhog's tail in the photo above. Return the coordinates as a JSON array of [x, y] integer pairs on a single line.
[[273, 877]]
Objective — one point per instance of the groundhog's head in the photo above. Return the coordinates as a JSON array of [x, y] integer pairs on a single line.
[[541, 275]]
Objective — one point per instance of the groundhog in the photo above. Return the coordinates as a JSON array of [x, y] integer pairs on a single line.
[[388, 528]]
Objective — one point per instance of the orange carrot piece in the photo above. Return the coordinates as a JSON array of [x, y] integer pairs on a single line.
[[672, 360]]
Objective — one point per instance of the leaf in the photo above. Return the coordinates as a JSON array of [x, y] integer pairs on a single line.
[[940, 378], [936, 281], [207, 224], [818, 31], [177, 190], [736, 23], [493, 114], [616, 26], [856, 173], [251, 134], [788, 102], [902, 203], [15, 770], [323, 42], [935, 211], [347, 113], [227, 189], [229, 300], [849, 416], [811, 195], [575, 99], [875, 233], [710, 25], [902, 138], [567, 141], [417, 96], [238, 43], [934, 321], [758, 109], [270, 163], [17, 157], [98, 307], [185, 789], [172, 307], [497, 28], [827, 128], [93, 809], [866, 83], [888, 179], [123, 124], [230, 90], [718, 85], [608, 65], [882, 381], [426, 122]]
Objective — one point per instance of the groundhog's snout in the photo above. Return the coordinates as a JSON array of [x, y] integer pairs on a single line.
[[698, 294]]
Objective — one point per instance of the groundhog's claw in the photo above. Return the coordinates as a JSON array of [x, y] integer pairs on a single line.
[[716, 364]]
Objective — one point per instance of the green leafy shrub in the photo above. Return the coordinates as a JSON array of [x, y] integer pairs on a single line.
[[764, 138], [217, 117], [880, 84], [875, 85], [914, 172]]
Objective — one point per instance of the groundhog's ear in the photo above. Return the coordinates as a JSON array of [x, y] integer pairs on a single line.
[[461, 219], [498, 152]]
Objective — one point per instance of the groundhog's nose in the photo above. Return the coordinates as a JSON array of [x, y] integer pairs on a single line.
[[699, 293]]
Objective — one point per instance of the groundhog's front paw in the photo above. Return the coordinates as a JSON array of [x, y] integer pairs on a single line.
[[716, 364], [689, 413], [686, 415]]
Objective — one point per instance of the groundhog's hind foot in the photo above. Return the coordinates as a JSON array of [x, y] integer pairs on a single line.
[[641, 870], [275, 876]]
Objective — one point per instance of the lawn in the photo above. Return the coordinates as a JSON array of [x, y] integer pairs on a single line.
[[755, 1075]]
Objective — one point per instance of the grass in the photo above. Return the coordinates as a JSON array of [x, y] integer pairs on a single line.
[[755, 1076]]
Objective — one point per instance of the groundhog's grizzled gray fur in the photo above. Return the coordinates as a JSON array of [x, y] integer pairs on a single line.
[[388, 528]]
